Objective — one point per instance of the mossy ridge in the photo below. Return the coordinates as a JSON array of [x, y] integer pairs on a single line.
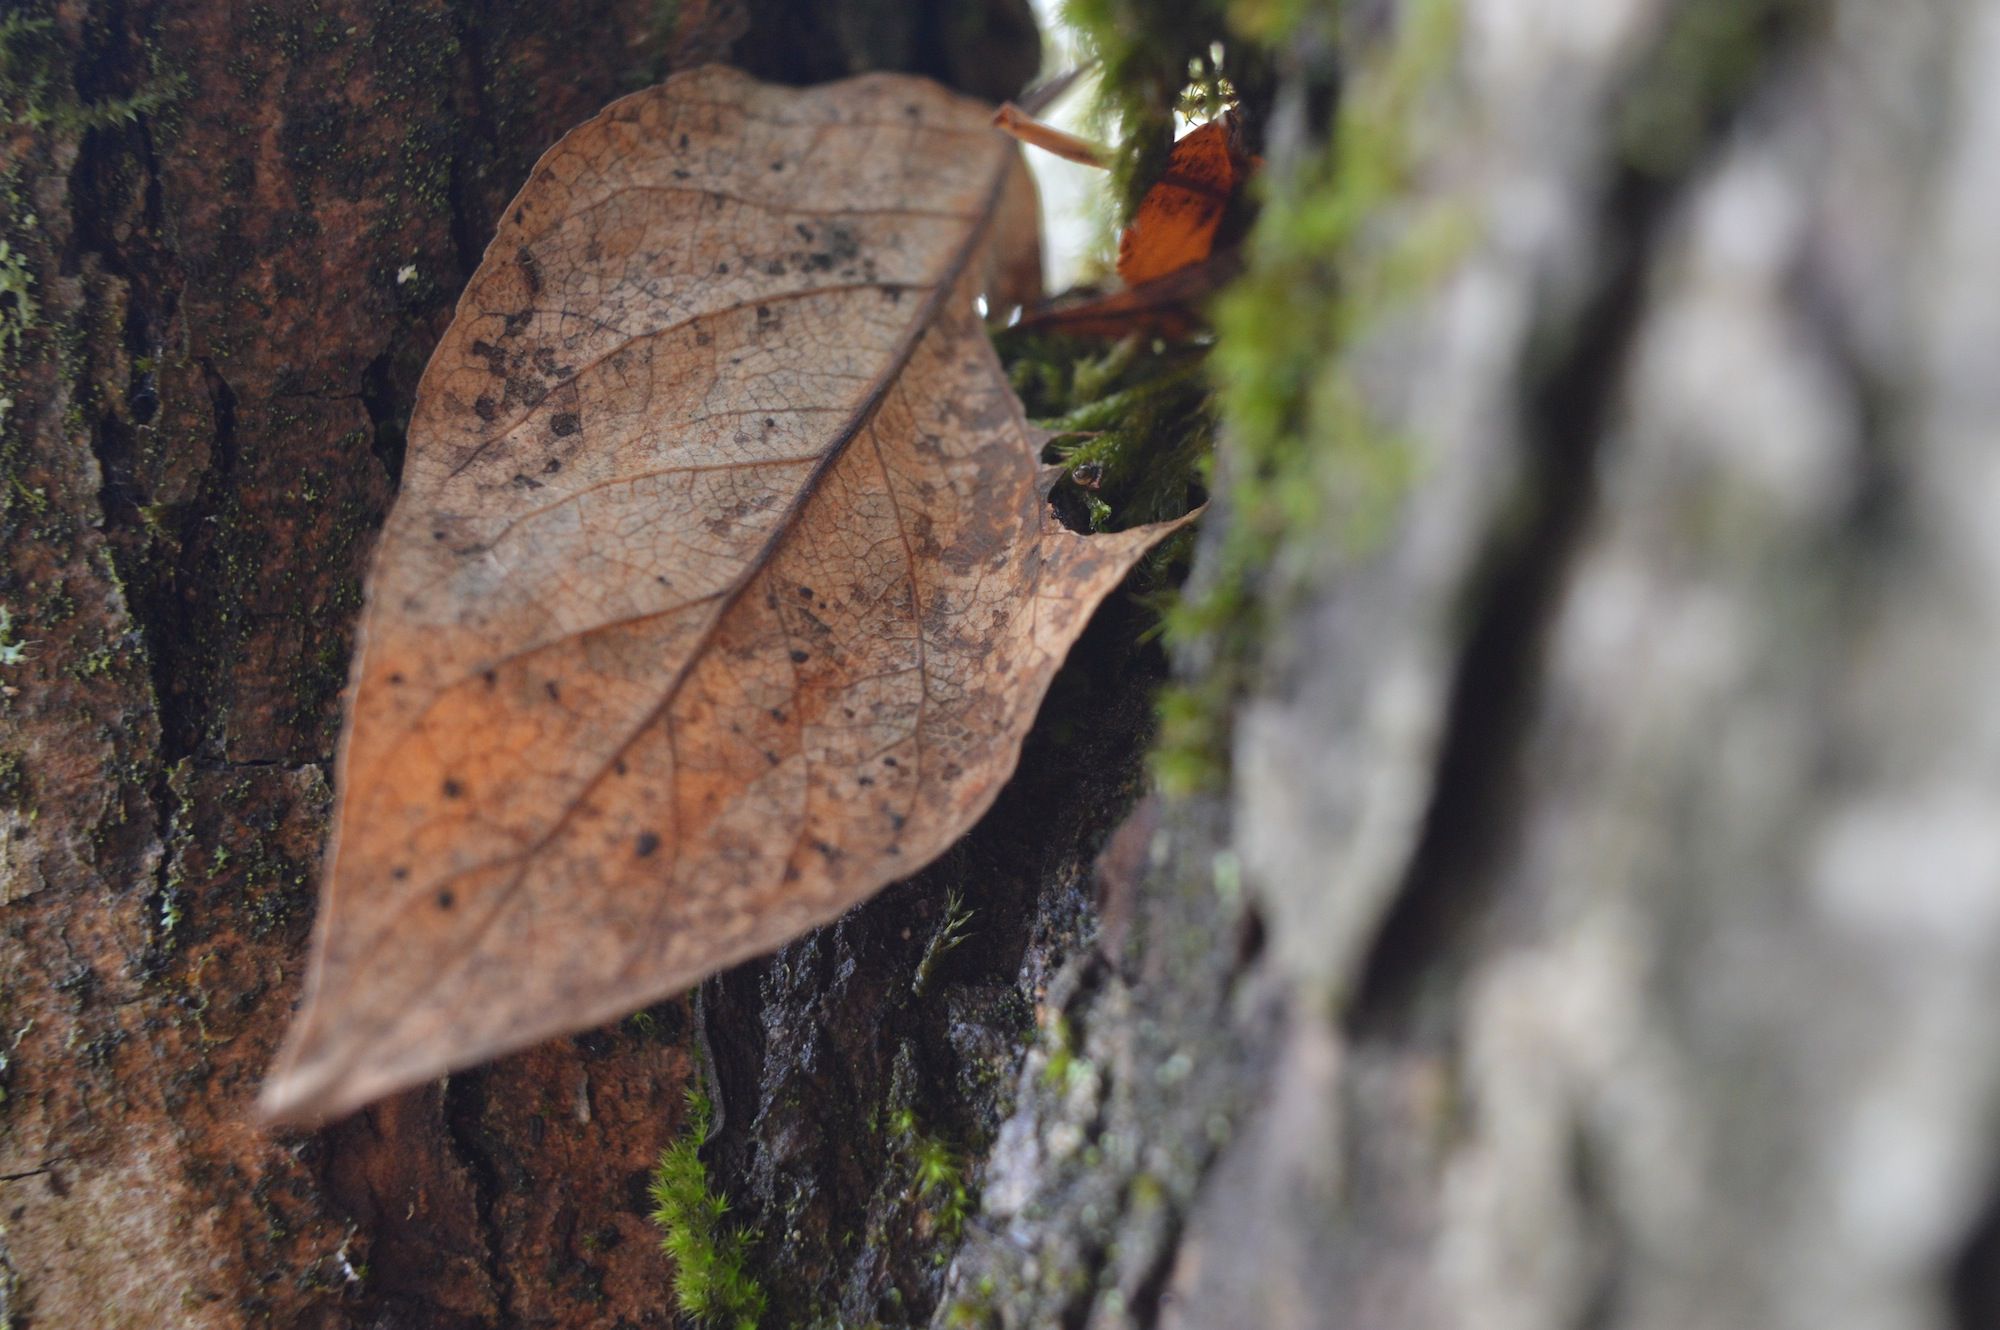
[[1305, 454]]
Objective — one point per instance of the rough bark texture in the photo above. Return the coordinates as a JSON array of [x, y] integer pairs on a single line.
[[1599, 929], [234, 233]]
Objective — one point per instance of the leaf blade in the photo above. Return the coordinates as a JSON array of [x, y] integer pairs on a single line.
[[639, 693]]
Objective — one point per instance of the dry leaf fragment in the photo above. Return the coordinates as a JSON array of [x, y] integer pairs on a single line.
[[721, 589], [1169, 306], [1176, 222]]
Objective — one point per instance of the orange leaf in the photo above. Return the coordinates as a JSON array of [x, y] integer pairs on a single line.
[[1177, 219], [721, 590]]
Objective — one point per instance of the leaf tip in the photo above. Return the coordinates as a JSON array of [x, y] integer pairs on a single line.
[[313, 1081]]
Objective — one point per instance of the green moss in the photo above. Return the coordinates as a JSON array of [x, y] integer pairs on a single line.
[[1331, 252], [18, 310], [1133, 424], [36, 87], [940, 1176], [937, 1177], [711, 1285], [943, 942]]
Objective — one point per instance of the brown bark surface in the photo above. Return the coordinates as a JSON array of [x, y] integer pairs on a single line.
[[1599, 927], [242, 228]]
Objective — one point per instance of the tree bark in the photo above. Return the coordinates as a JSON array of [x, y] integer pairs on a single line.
[[233, 234], [1597, 925], [1623, 818]]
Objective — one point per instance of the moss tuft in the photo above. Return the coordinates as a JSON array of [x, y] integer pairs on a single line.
[[937, 1177], [710, 1282], [943, 942]]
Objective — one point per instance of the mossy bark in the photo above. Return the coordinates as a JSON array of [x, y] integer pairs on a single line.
[[1616, 785]]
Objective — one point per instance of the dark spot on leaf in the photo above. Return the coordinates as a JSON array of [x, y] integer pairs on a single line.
[[486, 409], [452, 789], [555, 693], [553, 465], [564, 423], [647, 843], [806, 592], [446, 900], [525, 390], [399, 872], [619, 766], [395, 678], [799, 657], [490, 676], [891, 762], [777, 166]]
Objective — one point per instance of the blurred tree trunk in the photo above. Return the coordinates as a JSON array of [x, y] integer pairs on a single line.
[[1619, 789], [1598, 925]]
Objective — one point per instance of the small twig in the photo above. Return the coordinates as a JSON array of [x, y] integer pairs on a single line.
[[1040, 97], [1011, 119]]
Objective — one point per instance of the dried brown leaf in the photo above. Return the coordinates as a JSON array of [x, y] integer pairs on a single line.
[[721, 590]]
